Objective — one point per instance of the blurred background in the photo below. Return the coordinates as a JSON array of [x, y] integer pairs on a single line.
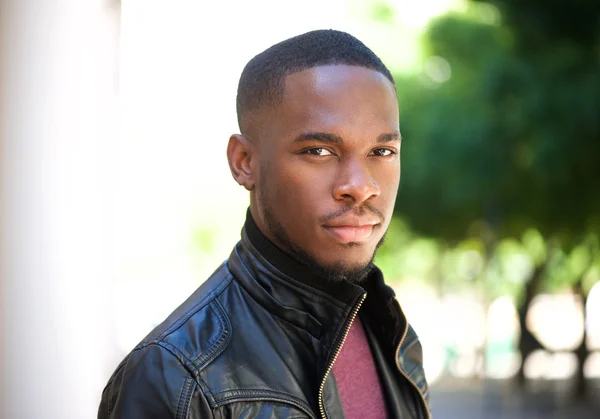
[[116, 201]]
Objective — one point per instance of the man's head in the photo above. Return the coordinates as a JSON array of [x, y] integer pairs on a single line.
[[319, 149]]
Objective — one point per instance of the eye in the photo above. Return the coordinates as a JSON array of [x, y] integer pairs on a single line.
[[318, 152], [383, 152]]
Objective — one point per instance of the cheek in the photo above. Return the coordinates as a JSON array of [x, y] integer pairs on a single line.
[[300, 191], [392, 187], [388, 178], [294, 187]]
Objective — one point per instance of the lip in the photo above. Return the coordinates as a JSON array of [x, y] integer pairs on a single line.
[[351, 233]]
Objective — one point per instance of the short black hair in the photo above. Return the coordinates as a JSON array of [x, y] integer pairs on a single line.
[[263, 79]]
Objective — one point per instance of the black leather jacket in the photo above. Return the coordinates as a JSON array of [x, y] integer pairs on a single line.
[[258, 339]]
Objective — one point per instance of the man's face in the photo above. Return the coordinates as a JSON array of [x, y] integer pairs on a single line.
[[329, 166]]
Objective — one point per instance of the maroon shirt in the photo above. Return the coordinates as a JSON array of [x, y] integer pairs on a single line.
[[356, 377]]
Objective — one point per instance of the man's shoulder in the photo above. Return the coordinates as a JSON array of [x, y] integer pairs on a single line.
[[169, 358], [199, 329]]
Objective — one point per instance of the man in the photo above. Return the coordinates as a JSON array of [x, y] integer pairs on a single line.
[[297, 323]]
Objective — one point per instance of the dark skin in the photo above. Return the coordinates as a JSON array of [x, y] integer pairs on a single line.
[[323, 167]]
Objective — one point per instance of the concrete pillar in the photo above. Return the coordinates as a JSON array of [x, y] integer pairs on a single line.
[[58, 120]]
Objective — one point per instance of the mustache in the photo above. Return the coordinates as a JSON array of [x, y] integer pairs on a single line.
[[358, 211]]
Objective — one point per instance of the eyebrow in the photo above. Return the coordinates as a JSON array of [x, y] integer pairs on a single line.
[[328, 138], [389, 137]]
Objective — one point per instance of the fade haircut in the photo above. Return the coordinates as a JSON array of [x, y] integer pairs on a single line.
[[263, 79]]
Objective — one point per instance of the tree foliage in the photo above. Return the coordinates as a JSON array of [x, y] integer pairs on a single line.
[[503, 123]]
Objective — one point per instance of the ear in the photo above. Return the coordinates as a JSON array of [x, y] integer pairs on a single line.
[[239, 156]]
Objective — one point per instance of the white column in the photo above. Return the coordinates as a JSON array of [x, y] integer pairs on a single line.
[[58, 120]]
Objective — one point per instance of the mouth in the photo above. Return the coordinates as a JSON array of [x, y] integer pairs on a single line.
[[351, 232]]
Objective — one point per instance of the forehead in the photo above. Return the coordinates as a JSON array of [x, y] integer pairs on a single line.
[[336, 97], [332, 77]]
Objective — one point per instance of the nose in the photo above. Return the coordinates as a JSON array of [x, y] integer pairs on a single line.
[[354, 182]]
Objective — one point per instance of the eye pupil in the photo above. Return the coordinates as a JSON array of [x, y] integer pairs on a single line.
[[316, 151]]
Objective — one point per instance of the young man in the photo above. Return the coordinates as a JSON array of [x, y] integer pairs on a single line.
[[298, 322]]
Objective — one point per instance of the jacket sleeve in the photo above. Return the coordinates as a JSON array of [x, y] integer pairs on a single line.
[[151, 383]]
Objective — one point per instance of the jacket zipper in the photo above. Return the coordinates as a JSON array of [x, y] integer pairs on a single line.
[[337, 352], [397, 357]]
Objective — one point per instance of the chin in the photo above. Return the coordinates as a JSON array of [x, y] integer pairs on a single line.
[[349, 264]]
